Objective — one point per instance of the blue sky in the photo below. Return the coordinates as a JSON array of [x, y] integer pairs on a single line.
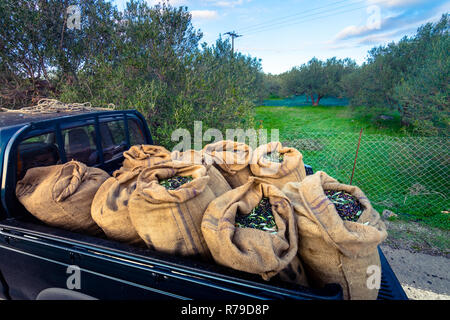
[[288, 33]]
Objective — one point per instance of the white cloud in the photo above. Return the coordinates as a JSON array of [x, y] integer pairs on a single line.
[[394, 3], [350, 31], [204, 14], [174, 3], [226, 3], [377, 39], [370, 39], [412, 14]]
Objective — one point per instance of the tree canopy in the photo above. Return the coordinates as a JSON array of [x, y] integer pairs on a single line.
[[409, 78], [146, 57], [317, 79], [151, 58]]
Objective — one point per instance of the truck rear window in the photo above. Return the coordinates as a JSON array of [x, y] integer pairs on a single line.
[[114, 141], [38, 151], [136, 134], [80, 144]]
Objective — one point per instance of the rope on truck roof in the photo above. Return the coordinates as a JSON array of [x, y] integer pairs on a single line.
[[53, 106]]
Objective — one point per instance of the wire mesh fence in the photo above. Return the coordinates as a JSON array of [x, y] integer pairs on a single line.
[[407, 175]]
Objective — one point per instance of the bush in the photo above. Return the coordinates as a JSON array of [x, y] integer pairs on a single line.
[[424, 95], [409, 77], [160, 70]]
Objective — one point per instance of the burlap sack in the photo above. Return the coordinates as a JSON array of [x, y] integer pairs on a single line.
[[231, 159], [61, 195], [190, 156], [144, 155], [248, 249], [110, 206], [217, 182], [151, 156], [333, 250], [169, 220], [292, 169]]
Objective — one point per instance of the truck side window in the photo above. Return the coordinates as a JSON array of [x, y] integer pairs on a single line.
[[38, 151], [80, 145], [114, 142], [136, 134]]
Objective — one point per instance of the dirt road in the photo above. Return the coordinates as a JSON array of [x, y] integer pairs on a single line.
[[419, 257]]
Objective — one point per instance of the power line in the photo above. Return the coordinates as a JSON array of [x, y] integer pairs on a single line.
[[233, 35], [267, 26], [258, 25], [282, 25]]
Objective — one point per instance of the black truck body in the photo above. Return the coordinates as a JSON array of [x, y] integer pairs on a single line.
[[37, 261]]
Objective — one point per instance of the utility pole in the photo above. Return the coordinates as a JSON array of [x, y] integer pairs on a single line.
[[233, 35]]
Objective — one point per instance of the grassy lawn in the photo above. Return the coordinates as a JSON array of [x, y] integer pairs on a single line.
[[407, 175], [290, 120]]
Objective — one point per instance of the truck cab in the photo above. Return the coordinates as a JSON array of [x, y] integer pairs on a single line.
[[40, 262]]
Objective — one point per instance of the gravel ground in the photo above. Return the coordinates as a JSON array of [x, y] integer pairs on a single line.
[[423, 276]]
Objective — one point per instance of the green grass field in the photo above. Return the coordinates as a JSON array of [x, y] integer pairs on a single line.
[[289, 120], [407, 175]]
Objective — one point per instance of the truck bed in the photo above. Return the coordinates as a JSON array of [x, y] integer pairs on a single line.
[[136, 272], [130, 272], [140, 267]]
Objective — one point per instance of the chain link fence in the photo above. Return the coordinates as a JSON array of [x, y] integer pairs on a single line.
[[407, 175]]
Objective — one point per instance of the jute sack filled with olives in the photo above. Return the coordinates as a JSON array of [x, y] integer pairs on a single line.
[[252, 229], [190, 156], [110, 206], [334, 250], [277, 164], [167, 207], [217, 182], [144, 155], [231, 159], [61, 195]]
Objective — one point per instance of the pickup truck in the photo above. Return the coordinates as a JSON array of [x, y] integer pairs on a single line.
[[40, 262]]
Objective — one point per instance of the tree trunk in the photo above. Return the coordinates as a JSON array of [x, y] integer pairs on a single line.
[[312, 100], [405, 115], [318, 100]]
